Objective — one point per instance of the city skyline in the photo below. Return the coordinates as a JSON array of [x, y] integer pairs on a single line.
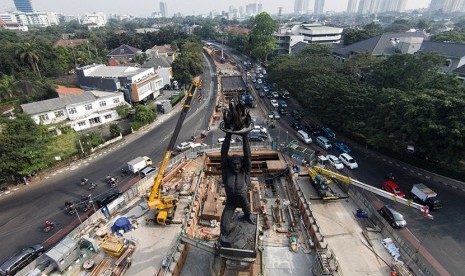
[[144, 8]]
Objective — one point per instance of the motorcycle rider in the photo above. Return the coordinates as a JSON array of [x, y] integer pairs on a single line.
[[49, 224]]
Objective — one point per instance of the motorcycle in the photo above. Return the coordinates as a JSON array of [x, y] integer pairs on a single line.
[[124, 172], [113, 181], [49, 226], [69, 207], [84, 181], [92, 186]]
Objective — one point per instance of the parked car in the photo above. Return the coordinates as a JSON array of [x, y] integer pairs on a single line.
[[282, 104], [275, 94], [282, 111], [304, 137], [262, 129], [261, 94], [276, 115], [265, 89], [274, 103], [394, 218], [335, 162], [259, 81], [342, 147], [107, 198], [296, 125], [328, 133], [391, 187], [147, 171], [296, 115], [257, 136], [21, 260], [257, 87], [254, 80], [233, 140], [348, 161]]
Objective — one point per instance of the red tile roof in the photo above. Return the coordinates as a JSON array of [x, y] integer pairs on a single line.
[[63, 90]]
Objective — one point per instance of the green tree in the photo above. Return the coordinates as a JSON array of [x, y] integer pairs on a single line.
[[450, 36], [7, 88], [144, 114], [123, 110], [27, 54], [115, 130], [23, 146], [262, 37]]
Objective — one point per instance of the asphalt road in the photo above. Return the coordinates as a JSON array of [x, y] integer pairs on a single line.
[[24, 212]]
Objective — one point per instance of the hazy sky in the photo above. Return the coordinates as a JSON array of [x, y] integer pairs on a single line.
[[186, 7]]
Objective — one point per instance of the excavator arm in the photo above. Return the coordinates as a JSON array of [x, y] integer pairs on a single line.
[[155, 200]]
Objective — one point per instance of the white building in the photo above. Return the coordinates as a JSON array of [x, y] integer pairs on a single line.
[[31, 19], [97, 18], [312, 33], [81, 111], [138, 84]]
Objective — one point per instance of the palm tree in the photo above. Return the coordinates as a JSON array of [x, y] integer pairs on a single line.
[[27, 53]]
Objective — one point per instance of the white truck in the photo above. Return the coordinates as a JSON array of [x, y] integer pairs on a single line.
[[139, 163], [426, 196]]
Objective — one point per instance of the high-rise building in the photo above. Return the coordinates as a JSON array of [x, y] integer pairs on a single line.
[[352, 6], [298, 6], [319, 6], [24, 5], [364, 6], [163, 9], [447, 5], [260, 8], [251, 9]]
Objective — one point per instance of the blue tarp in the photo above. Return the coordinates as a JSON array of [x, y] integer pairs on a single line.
[[122, 223]]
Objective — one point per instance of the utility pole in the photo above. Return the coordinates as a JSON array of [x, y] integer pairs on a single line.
[[280, 12]]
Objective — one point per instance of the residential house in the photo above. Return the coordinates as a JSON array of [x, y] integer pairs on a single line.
[[382, 45], [161, 50], [80, 111], [14, 26], [138, 84], [124, 52], [407, 43]]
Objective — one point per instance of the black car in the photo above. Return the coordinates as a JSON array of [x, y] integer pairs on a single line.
[[296, 125], [257, 87], [21, 260], [394, 218], [296, 115], [282, 111], [107, 198], [312, 129]]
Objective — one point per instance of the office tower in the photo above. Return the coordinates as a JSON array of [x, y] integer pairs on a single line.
[[352, 6], [319, 6], [305, 6], [23, 5], [260, 8], [435, 5], [163, 9], [298, 6], [251, 9], [401, 5], [364, 6]]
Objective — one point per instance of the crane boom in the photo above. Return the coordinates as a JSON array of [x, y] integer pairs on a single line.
[[383, 193], [155, 201]]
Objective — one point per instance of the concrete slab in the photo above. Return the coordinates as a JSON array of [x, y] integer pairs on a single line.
[[281, 261]]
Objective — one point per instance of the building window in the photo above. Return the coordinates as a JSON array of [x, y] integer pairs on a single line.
[[116, 100], [107, 117], [83, 123], [59, 114], [43, 117], [88, 106], [95, 120], [72, 110], [103, 103]]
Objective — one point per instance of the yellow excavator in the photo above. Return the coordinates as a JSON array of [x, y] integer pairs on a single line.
[[162, 206]]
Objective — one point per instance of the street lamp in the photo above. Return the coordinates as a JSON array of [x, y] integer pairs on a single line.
[[287, 137]]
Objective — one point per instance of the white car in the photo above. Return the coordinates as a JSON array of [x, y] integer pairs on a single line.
[[348, 161], [274, 103], [259, 81], [183, 146], [335, 162], [221, 140], [262, 129]]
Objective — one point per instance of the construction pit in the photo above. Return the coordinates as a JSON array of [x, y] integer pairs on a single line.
[[297, 233]]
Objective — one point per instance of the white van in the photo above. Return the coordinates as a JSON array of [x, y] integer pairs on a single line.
[[323, 142], [348, 161], [304, 137]]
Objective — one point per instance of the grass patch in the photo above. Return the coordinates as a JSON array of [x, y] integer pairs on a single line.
[[63, 146]]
